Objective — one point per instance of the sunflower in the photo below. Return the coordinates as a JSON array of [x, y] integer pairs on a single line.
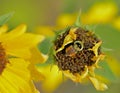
[[16, 48], [77, 53]]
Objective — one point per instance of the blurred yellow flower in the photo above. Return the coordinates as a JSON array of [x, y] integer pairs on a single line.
[[45, 30], [15, 47], [116, 23], [53, 78], [100, 13], [65, 20], [114, 65]]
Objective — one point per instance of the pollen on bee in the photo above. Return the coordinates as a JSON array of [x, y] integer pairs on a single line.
[[76, 54], [70, 51]]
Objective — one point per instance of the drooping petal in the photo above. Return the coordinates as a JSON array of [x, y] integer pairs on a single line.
[[32, 88], [95, 48], [53, 78], [35, 74], [68, 39], [98, 84], [76, 77]]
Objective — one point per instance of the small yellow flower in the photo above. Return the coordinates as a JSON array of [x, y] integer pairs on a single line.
[[15, 52], [77, 53]]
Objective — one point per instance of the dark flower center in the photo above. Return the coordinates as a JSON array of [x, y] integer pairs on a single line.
[[77, 54], [3, 59]]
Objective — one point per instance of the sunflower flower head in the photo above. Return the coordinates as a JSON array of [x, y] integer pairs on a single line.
[[18, 56], [14, 54], [77, 52]]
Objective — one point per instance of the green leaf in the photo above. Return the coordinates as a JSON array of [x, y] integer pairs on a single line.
[[45, 45], [4, 18], [58, 32], [110, 37], [78, 20], [90, 27], [106, 72]]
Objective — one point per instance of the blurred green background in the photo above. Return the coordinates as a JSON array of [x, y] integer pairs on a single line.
[[35, 13], [43, 12]]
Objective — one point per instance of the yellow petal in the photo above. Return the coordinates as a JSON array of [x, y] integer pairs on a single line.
[[19, 67], [101, 78], [91, 70], [8, 87], [21, 45], [26, 40], [35, 74], [22, 53], [16, 78], [97, 84], [34, 90], [20, 83], [53, 78], [68, 39], [98, 58], [95, 48], [76, 77], [37, 56], [14, 33], [3, 29]]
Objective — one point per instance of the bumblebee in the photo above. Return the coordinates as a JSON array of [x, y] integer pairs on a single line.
[[72, 49]]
